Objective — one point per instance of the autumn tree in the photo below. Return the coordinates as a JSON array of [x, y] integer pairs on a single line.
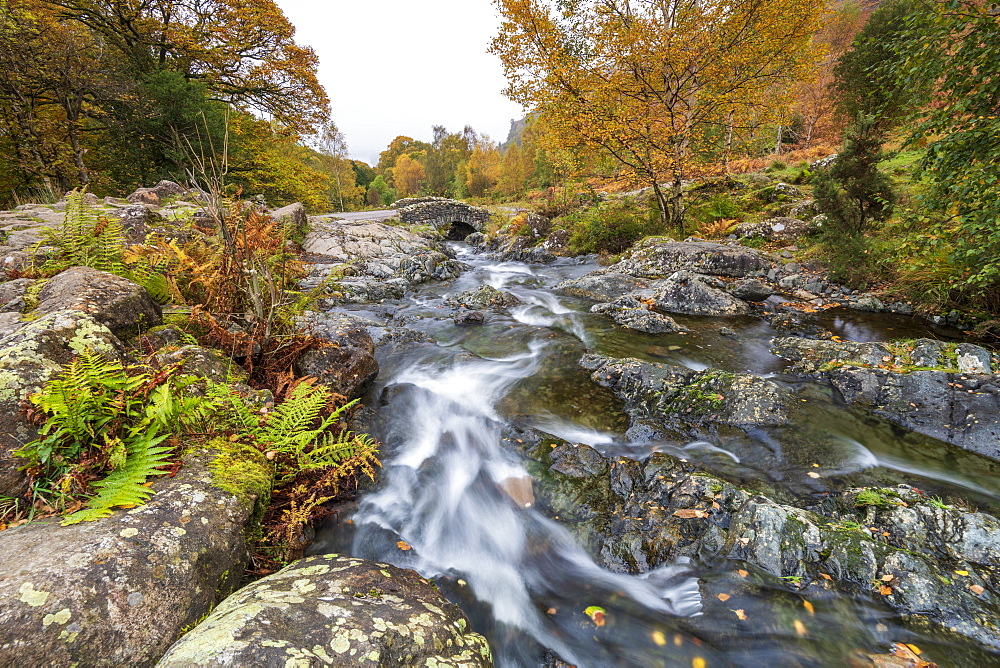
[[243, 51], [408, 174], [955, 48], [655, 83], [331, 145], [446, 152], [482, 168], [815, 98], [397, 147]]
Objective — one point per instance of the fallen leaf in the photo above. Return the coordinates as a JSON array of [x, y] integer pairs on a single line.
[[551, 611], [812, 474], [887, 577], [825, 576], [403, 545], [679, 639], [724, 597], [800, 628], [809, 607], [885, 591], [740, 614], [698, 662], [690, 513], [596, 614], [913, 648], [976, 589], [965, 573], [659, 638], [742, 573]]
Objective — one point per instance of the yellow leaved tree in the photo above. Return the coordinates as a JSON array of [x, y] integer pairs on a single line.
[[661, 85]]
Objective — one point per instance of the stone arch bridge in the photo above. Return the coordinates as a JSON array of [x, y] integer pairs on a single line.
[[455, 220]]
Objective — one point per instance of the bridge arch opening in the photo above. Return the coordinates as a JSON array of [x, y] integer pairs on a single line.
[[458, 230]]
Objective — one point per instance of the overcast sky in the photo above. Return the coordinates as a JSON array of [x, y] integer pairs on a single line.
[[398, 67]]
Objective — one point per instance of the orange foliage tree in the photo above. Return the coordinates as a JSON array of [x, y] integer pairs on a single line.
[[658, 84], [408, 174]]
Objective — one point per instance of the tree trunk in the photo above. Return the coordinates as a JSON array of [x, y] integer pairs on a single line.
[[73, 130]]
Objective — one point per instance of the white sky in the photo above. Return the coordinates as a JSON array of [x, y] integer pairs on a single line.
[[398, 67]]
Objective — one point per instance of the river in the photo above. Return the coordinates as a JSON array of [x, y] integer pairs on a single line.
[[454, 500]]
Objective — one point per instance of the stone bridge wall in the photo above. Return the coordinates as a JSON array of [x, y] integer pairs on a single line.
[[444, 214]]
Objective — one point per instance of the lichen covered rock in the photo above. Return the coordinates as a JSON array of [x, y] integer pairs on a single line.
[[119, 591], [485, 297], [122, 306], [30, 357], [372, 261], [333, 611], [631, 313], [694, 294], [687, 401], [658, 258]]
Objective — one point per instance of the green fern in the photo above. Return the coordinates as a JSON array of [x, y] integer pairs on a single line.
[[126, 486], [85, 401], [104, 416], [296, 429]]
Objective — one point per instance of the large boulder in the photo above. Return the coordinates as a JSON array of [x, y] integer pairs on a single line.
[[369, 262], [604, 286], [329, 610], [138, 221], [295, 214], [119, 304], [657, 258], [348, 365], [778, 228], [30, 357], [694, 294], [918, 385], [120, 590]]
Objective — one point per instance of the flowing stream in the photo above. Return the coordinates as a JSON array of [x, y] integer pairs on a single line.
[[454, 501]]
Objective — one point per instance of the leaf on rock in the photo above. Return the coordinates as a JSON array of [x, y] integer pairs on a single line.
[[690, 513], [403, 545]]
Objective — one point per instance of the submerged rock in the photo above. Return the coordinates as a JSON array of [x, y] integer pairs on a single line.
[[118, 591], [334, 611]]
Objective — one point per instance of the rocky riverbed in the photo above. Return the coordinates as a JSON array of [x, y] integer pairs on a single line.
[[697, 453]]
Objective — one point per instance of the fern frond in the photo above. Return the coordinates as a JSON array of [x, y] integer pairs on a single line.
[[126, 486]]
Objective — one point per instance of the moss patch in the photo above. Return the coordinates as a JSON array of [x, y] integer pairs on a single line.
[[243, 471]]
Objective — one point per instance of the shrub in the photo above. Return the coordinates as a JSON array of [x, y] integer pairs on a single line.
[[610, 227], [853, 193]]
